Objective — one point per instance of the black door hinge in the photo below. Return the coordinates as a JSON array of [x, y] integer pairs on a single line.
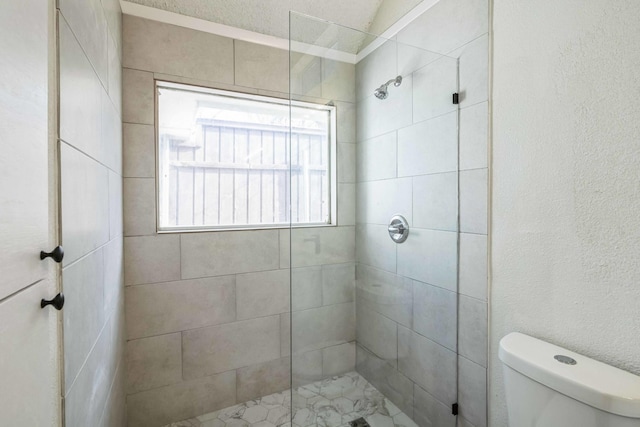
[[454, 409], [456, 98]]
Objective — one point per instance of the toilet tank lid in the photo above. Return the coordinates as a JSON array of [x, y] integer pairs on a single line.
[[589, 381]]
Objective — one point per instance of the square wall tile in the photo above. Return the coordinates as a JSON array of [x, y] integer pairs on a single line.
[[153, 362], [221, 348], [473, 201], [170, 49], [228, 252], [429, 147], [262, 294], [261, 67], [162, 308], [151, 259]]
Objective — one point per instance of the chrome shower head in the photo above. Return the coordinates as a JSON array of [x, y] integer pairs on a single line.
[[383, 92]]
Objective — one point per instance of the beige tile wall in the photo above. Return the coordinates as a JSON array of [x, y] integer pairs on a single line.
[[209, 326]]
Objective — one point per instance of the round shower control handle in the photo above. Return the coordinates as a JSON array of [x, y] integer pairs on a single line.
[[398, 229]]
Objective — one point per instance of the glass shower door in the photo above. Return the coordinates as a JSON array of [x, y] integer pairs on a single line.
[[373, 320]]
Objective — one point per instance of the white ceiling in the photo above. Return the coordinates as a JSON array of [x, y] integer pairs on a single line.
[[272, 16]]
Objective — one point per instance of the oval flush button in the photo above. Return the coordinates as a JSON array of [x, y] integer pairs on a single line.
[[565, 359]]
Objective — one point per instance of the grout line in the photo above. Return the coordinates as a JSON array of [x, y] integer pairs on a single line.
[[89, 353], [180, 256], [86, 56], [103, 246], [89, 156], [233, 66], [423, 121]]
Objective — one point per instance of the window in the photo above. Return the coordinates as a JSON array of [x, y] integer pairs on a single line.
[[225, 160]]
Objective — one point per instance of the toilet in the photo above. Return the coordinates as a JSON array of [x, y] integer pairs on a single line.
[[549, 386]]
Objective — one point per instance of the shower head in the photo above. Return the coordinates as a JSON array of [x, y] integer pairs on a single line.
[[383, 92]]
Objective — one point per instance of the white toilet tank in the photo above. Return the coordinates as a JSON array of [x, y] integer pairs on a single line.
[[548, 386]]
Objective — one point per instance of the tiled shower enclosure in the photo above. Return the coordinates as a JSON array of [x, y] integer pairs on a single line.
[[319, 325]]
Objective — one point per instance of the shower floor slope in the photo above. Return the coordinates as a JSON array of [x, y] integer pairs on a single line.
[[329, 403]]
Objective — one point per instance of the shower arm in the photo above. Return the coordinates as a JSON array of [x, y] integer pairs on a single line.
[[388, 83]]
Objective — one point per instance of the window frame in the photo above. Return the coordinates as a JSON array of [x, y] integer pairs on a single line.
[[332, 157]]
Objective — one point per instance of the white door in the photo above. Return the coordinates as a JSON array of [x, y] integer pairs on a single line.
[[29, 395]]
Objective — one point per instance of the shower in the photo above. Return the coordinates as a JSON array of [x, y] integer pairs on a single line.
[[382, 92]]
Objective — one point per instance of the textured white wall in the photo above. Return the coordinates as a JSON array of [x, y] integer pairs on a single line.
[[272, 16], [566, 179]]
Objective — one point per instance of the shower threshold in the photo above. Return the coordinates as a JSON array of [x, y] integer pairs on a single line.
[[334, 402]]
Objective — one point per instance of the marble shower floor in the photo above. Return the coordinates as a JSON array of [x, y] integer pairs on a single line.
[[328, 403]]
